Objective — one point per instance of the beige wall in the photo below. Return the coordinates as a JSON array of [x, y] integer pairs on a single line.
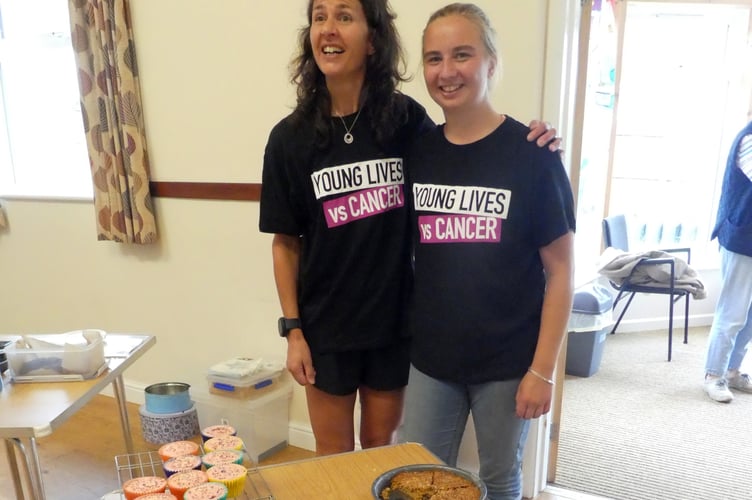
[[214, 81]]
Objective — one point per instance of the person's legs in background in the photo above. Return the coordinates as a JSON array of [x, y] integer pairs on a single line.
[[731, 330], [736, 379]]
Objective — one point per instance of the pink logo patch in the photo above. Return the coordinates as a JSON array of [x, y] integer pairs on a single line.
[[362, 204], [459, 229]]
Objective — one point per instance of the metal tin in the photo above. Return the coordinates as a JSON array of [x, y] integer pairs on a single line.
[[168, 397], [384, 479]]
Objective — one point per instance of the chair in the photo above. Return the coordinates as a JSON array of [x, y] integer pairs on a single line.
[[615, 235]]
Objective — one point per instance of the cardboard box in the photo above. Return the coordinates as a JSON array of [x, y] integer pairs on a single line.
[[262, 422]]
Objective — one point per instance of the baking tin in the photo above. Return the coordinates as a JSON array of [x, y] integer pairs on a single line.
[[384, 479], [167, 397]]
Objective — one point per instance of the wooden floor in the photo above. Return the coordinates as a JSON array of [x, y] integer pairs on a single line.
[[78, 459]]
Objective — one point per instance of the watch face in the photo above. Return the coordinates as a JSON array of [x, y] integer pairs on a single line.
[[281, 327]]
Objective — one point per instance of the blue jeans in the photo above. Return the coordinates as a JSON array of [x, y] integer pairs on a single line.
[[732, 328], [436, 413]]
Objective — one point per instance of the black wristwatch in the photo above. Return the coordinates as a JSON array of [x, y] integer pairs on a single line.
[[287, 324]]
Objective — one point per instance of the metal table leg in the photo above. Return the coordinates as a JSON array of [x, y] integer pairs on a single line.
[[33, 468], [119, 389], [14, 468]]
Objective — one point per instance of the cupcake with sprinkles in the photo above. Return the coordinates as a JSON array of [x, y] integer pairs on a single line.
[[181, 464], [231, 475], [223, 443], [218, 430], [222, 457], [208, 491], [177, 449], [158, 496], [180, 482], [140, 486]]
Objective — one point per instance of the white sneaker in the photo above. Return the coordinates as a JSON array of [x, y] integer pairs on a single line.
[[717, 389], [741, 382]]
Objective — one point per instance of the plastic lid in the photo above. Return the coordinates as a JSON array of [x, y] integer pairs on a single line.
[[592, 298], [250, 380]]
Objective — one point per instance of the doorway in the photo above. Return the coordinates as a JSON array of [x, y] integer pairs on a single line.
[[668, 87]]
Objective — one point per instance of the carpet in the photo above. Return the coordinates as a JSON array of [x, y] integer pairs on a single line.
[[642, 428]]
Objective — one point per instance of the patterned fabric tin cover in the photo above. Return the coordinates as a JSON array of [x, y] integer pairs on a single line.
[[161, 428]]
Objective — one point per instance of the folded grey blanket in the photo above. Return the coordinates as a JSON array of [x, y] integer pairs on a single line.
[[617, 265]]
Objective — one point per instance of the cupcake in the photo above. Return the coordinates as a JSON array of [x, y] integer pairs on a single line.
[[158, 496], [139, 486], [181, 463], [177, 449], [231, 475], [222, 457], [218, 430], [181, 481], [208, 491], [223, 443]]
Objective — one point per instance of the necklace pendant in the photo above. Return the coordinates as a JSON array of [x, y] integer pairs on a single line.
[[348, 138]]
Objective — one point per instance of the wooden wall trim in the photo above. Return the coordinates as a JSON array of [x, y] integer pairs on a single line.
[[243, 191]]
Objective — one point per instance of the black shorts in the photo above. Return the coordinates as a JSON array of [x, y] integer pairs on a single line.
[[382, 369]]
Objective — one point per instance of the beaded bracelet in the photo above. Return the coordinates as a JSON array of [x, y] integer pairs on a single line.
[[546, 380]]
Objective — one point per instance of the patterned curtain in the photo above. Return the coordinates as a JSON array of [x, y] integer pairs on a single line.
[[111, 107]]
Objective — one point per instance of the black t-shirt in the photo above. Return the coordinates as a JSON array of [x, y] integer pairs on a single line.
[[348, 204], [481, 213]]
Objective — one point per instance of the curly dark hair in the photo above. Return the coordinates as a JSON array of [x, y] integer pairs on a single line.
[[385, 70]]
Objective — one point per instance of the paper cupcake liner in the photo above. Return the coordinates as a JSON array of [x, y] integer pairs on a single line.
[[231, 475], [234, 486]]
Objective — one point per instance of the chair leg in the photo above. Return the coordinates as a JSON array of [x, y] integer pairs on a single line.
[[629, 301], [670, 323], [686, 318]]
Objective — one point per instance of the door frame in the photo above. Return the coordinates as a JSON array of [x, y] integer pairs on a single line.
[[563, 104]]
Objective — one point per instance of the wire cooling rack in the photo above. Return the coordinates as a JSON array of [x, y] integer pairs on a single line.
[[149, 463]]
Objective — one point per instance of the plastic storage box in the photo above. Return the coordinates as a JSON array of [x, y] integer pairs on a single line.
[[73, 356], [262, 422], [244, 387], [588, 326], [244, 378]]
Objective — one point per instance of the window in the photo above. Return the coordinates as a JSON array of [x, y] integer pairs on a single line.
[[682, 98], [42, 142]]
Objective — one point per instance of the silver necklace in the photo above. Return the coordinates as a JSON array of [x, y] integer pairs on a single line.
[[348, 137]]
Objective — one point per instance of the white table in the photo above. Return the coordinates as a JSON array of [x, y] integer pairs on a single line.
[[29, 411]]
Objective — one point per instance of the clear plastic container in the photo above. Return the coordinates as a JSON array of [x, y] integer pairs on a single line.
[[74, 355], [244, 387]]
